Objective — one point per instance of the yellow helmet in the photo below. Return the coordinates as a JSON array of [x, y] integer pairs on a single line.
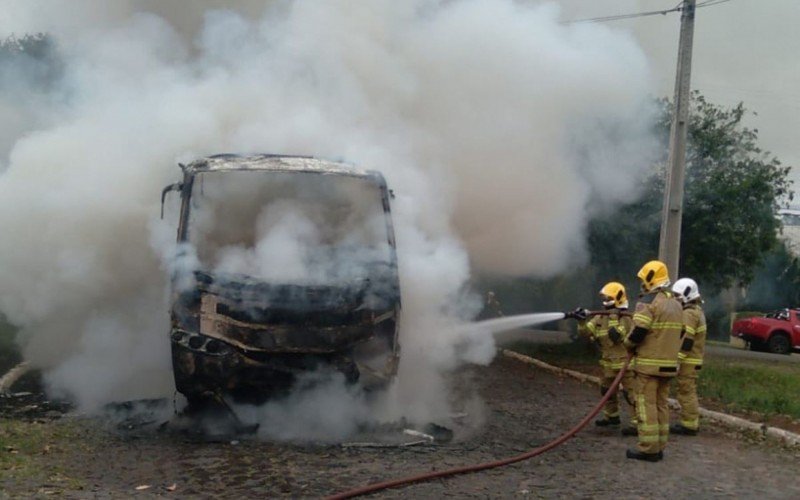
[[653, 275], [613, 294]]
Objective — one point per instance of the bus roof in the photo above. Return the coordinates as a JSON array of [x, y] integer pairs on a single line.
[[275, 163]]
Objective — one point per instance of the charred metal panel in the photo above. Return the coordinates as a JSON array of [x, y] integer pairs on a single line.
[[250, 339], [265, 337]]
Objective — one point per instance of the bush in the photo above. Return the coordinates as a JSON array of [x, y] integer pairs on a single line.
[[9, 352]]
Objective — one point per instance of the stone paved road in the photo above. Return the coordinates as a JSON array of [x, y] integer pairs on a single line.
[[525, 407]]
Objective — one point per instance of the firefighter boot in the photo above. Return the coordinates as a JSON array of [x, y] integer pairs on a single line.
[[679, 429], [647, 457], [629, 431], [606, 421], [611, 410]]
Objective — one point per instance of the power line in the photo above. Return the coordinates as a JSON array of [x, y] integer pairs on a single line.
[[709, 3], [625, 16], [618, 17]]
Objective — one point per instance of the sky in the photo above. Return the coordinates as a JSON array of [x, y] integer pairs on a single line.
[[744, 50]]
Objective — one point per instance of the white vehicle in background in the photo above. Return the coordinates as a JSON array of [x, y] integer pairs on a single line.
[[790, 220]]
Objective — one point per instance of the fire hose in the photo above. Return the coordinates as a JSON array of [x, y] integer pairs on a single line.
[[393, 483], [602, 313]]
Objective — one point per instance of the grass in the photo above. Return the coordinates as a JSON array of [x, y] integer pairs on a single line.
[[763, 387], [23, 450], [759, 386]]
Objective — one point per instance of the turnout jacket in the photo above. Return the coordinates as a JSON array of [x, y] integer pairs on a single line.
[[596, 328], [656, 336], [694, 342]]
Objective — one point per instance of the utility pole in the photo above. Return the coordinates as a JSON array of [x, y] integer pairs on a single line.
[[670, 243]]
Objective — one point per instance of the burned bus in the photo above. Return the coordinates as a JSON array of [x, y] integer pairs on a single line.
[[285, 266]]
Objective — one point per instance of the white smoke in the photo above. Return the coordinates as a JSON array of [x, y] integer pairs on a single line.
[[327, 410], [306, 229], [499, 130]]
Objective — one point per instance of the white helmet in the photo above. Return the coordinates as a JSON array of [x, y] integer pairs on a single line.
[[686, 290]]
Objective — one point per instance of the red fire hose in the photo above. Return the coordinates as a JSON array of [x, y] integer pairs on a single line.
[[393, 483]]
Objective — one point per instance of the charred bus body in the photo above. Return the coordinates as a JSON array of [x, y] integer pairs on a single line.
[[286, 265]]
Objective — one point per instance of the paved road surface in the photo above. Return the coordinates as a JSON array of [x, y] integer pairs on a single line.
[[724, 351], [523, 407], [715, 350]]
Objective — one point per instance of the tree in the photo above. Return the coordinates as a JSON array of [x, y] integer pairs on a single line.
[[777, 282], [733, 189], [33, 58]]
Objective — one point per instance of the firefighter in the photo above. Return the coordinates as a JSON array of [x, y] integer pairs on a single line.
[[608, 331], [656, 340], [690, 356]]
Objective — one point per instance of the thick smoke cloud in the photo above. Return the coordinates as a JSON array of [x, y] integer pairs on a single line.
[[306, 229], [499, 130]]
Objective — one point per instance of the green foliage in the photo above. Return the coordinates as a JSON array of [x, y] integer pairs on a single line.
[[32, 60], [36, 46], [747, 314], [518, 296], [621, 242], [759, 386], [733, 189], [777, 281], [762, 387], [25, 446], [9, 353]]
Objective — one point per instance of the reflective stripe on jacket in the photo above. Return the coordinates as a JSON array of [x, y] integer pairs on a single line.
[[657, 353], [612, 355], [694, 323]]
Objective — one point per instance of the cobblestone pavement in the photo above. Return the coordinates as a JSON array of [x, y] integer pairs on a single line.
[[525, 407]]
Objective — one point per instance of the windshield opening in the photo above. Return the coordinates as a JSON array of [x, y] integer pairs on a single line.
[[303, 228], [779, 314]]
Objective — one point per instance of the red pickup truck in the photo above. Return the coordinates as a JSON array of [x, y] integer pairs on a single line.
[[777, 332]]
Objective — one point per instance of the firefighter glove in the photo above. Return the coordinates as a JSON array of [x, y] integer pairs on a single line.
[[637, 335], [614, 335]]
